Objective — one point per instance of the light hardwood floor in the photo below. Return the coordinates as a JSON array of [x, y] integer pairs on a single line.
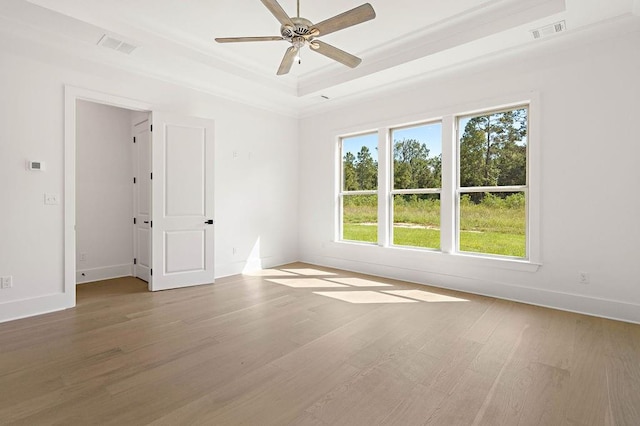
[[281, 347]]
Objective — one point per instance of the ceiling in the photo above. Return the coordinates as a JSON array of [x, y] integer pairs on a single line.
[[408, 39]]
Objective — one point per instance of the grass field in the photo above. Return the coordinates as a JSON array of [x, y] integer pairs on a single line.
[[496, 226]]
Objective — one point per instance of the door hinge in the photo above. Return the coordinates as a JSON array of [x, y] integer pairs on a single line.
[[134, 180], [151, 224], [150, 271], [151, 176], [134, 220], [151, 128], [135, 261], [134, 139]]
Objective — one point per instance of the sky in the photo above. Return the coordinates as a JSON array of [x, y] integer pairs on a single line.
[[429, 134]]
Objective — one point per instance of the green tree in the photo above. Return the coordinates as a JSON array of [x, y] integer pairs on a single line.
[[493, 149], [366, 170], [412, 166], [435, 163], [349, 172], [512, 164]]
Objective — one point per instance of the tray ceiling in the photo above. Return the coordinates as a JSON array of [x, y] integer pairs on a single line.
[[408, 38]]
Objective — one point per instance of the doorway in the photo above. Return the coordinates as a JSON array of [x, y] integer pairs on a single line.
[[182, 195], [113, 211]]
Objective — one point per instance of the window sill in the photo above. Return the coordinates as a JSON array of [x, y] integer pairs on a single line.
[[344, 248]]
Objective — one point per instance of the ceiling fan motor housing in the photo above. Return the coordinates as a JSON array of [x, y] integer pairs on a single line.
[[302, 28]]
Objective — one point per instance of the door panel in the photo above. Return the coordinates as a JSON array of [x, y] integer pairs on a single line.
[[185, 251], [185, 168], [142, 200], [144, 248], [182, 201]]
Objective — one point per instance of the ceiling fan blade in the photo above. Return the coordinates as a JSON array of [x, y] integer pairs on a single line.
[[244, 39], [287, 61], [347, 19], [336, 54], [277, 11]]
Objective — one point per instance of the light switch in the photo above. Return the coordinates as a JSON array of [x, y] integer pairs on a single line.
[[6, 282]]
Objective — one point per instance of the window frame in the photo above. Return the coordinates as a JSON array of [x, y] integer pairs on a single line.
[[449, 198], [342, 192], [460, 190], [392, 191]]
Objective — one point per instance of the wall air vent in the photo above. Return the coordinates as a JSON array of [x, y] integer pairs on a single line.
[[549, 30], [115, 44]]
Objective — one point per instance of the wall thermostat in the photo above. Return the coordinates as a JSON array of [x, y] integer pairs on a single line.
[[35, 165]]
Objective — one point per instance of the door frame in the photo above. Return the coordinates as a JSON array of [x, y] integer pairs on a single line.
[[71, 96]]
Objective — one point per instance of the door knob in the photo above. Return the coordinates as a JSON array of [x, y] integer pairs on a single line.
[[209, 222]]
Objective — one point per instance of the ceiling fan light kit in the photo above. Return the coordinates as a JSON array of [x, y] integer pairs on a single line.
[[301, 32]]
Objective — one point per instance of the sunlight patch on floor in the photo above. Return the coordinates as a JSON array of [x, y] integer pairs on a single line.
[[306, 283], [424, 296], [363, 297], [359, 282], [309, 272], [269, 273]]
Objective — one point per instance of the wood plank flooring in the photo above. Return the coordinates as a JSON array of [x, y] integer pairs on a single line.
[[291, 346]]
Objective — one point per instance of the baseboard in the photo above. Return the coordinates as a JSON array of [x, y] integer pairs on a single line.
[[236, 268], [592, 306], [24, 308], [104, 273]]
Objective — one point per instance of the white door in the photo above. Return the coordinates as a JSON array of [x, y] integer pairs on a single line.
[[182, 201], [142, 201]]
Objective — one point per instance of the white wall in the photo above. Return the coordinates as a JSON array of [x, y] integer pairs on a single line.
[[104, 193], [255, 193], [589, 103]]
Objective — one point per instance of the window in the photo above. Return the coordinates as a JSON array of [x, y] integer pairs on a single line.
[[460, 184], [417, 182], [358, 188], [492, 181]]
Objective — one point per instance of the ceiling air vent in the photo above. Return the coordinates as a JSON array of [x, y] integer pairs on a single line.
[[115, 44], [549, 29]]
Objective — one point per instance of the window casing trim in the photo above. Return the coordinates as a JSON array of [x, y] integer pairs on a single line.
[[449, 192]]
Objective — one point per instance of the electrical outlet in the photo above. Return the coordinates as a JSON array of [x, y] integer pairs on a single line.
[[83, 257], [234, 250], [6, 282], [51, 199], [583, 277]]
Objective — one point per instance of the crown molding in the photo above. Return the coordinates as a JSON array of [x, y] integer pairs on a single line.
[[535, 50], [477, 23]]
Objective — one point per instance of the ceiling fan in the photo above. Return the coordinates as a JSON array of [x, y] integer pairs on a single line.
[[301, 32]]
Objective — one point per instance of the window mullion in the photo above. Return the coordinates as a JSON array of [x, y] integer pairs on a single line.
[[363, 192], [384, 184], [416, 191], [448, 197], [512, 188]]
